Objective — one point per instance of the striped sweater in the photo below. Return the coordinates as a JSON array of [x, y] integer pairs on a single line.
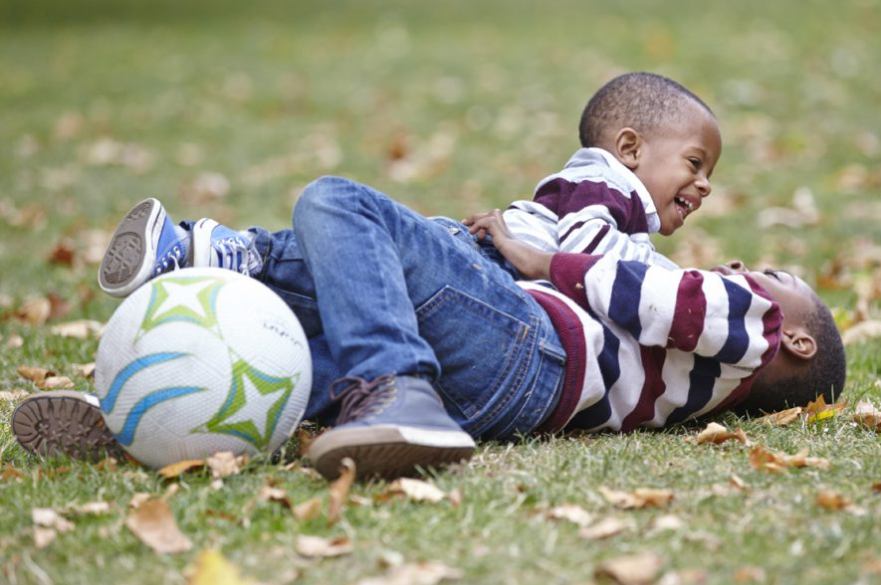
[[595, 205], [651, 346]]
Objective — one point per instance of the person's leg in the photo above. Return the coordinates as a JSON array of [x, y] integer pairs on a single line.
[[397, 294]]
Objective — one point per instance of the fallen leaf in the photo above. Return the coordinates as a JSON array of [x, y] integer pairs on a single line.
[[867, 415], [138, 499], [79, 329], [107, 464], [226, 463], [832, 500], [818, 410], [639, 498], [339, 490], [876, 487], [572, 513], [781, 418], [305, 436], [10, 472], [424, 573], [716, 433], [416, 490], [173, 470], [315, 546], [34, 310], [49, 518], [62, 254], [861, 332], [15, 341], [56, 383], [212, 568], [43, 537], [92, 508], [13, 395], [84, 370], [605, 528], [455, 497], [749, 575], [637, 569], [738, 483], [34, 374], [308, 510], [765, 460], [270, 493], [153, 523]]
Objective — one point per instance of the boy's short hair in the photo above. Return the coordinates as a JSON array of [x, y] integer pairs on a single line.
[[639, 100], [824, 376]]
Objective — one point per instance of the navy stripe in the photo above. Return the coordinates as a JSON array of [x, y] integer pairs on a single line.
[[626, 292], [599, 412], [701, 381], [739, 300]]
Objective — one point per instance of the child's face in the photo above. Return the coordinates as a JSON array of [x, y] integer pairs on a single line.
[[675, 163], [795, 297]]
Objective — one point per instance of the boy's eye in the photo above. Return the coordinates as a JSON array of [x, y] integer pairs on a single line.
[[695, 162]]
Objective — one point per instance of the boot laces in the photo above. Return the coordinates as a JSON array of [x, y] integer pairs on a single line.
[[361, 398]]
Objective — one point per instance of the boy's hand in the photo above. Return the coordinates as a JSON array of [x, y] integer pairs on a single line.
[[530, 262]]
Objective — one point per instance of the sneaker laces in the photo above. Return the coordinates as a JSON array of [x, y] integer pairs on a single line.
[[233, 254], [173, 256], [361, 398]]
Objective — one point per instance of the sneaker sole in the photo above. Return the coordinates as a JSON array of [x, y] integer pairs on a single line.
[[63, 423], [388, 452], [129, 259]]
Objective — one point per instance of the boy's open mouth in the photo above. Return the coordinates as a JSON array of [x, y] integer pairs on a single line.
[[685, 206]]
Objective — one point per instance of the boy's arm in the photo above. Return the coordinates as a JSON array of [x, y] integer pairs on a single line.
[[727, 318], [532, 263]]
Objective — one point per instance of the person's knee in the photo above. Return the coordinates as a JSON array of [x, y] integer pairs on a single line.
[[321, 193]]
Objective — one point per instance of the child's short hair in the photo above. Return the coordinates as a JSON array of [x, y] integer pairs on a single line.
[[640, 100], [824, 376]]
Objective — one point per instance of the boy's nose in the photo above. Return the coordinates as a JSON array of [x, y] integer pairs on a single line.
[[703, 187]]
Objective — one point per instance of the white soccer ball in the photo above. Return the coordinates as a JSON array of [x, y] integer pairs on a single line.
[[202, 360]]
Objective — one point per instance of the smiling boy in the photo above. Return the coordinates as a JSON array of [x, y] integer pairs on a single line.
[[649, 147]]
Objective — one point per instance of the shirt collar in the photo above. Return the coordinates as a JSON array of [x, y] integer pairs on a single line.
[[628, 175]]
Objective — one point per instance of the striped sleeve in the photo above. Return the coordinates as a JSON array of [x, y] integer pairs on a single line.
[[728, 319]]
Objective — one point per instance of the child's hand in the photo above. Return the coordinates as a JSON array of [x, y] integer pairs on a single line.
[[530, 262]]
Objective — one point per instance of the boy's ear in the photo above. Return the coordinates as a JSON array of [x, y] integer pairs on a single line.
[[798, 343], [628, 147]]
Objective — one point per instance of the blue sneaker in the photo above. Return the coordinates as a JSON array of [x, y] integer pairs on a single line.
[[389, 427], [146, 243], [217, 246]]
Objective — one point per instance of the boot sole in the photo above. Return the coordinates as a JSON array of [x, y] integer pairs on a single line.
[[388, 452], [63, 423], [128, 262]]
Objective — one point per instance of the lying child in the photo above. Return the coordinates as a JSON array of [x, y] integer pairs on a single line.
[[420, 344]]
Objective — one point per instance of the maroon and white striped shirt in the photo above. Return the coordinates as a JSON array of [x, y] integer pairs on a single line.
[[595, 205], [651, 346]]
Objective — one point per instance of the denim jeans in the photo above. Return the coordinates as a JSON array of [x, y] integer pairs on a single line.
[[381, 289]]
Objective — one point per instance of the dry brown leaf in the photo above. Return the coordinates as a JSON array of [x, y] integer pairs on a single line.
[[749, 575], [79, 329], [605, 528], [107, 464], [305, 437], [270, 493], [173, 470], [455, 497], [637, 569], [308, 510], [423, 573], [56, 383], [315, 546], [138, 499], [34, 310], [415, 490], [738, 483], [153, 523], [782, 418], [867, 415], [639, 498], [84, 370], [572, 513], [861, 332], [62, 254], [765, 460], [13, 395], [212, 568], [91, 508], [832, 500], [43, 537], [10, 472], [818, 410], [339, 490], [34, 374], [15, 341], [226, 463], [49, 518], [716, 433]]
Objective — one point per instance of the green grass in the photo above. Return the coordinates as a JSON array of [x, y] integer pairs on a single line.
[[485, 98]]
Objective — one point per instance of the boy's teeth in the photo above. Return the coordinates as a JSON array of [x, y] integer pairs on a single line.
[[685, 202]]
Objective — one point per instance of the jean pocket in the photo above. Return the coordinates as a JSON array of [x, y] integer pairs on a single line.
[[478, 346]]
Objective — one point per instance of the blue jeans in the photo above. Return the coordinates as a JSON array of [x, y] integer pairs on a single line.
[[381, 289]]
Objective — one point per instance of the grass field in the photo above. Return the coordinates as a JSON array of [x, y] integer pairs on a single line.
[[226, 110]]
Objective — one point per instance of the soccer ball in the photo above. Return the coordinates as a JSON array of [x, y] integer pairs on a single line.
[[202, 360]]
